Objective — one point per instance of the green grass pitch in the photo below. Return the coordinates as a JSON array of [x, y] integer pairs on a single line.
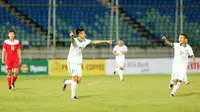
[[141, 93]]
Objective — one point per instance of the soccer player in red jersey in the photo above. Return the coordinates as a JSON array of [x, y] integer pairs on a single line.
[[11, 57]]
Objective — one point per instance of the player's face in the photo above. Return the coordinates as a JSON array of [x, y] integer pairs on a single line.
[[11, 35], [120, 42], [182, 39], [82, 35]]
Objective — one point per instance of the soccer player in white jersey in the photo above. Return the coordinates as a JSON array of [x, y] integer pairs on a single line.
[[182, 51], [120, 51], [75, 59]]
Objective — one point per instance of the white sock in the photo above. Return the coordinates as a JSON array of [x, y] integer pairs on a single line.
[[68, 81], [117, 70], [121, 74], [186, 79], [73, 89], [176, 87]]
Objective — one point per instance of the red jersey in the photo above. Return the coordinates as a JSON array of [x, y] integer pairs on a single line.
[[11, 50]]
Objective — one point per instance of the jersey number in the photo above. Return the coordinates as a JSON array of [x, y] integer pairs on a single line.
[[181, 53], [12, 48]]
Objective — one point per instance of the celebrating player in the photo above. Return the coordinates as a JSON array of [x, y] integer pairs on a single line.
[[182, 51], [75, 59], [120, 51], [11, 57]]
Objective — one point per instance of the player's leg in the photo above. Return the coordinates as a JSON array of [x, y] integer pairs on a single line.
[[73, 70], [76, 80], [116, 69], [186, 80], [121, 68], [179, 78], [176, 87], [171, 83], [16, 72], [9, 75], [66, 82], [14, 78], [121, 73], [73, 87]]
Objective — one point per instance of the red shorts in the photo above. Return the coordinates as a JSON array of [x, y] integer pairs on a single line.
[[12, 64]]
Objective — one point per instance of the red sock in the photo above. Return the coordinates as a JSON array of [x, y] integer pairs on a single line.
[[14, 79], [9, 81]]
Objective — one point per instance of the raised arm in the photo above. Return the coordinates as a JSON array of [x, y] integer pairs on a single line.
[[167, 41], [102, 41], [72, 38]]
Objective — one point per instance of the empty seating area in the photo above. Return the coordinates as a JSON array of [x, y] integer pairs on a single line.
[[158, 16]]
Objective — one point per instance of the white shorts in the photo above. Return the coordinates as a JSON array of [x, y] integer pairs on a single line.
[[179, 74], [120, 63], [74, 69]]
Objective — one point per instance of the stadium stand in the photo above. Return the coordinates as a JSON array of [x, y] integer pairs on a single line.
[[157, 17]]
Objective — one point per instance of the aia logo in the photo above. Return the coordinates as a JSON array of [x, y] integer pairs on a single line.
[[195, 66]]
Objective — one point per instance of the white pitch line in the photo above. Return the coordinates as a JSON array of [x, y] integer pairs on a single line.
[[94, 83]]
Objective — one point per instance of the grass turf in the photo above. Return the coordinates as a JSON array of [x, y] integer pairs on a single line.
[[144, 93]]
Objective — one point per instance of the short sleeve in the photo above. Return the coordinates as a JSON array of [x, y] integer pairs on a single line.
[[88, 41], [190, 51], [115, 49], [4, 45], [79, 43], [18, 46], [125, 48], [175, 45]]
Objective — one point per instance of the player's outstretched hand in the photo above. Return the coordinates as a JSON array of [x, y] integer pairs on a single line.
[[71, 34], [109, 41], [164, 38]]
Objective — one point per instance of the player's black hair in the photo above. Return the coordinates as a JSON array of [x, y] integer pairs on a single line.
[[185, 35], [78, 30], [12, 31]]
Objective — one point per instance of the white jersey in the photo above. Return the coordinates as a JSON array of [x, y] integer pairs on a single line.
[[119, 50], [181, 54], [75, 52]]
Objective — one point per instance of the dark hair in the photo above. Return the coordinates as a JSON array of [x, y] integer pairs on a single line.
[[185, 35], [78, 30], [12, 31]]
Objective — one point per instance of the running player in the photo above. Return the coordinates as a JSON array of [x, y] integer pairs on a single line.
[[75, 59], [11, 57], [120, 51], [182, 51]]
